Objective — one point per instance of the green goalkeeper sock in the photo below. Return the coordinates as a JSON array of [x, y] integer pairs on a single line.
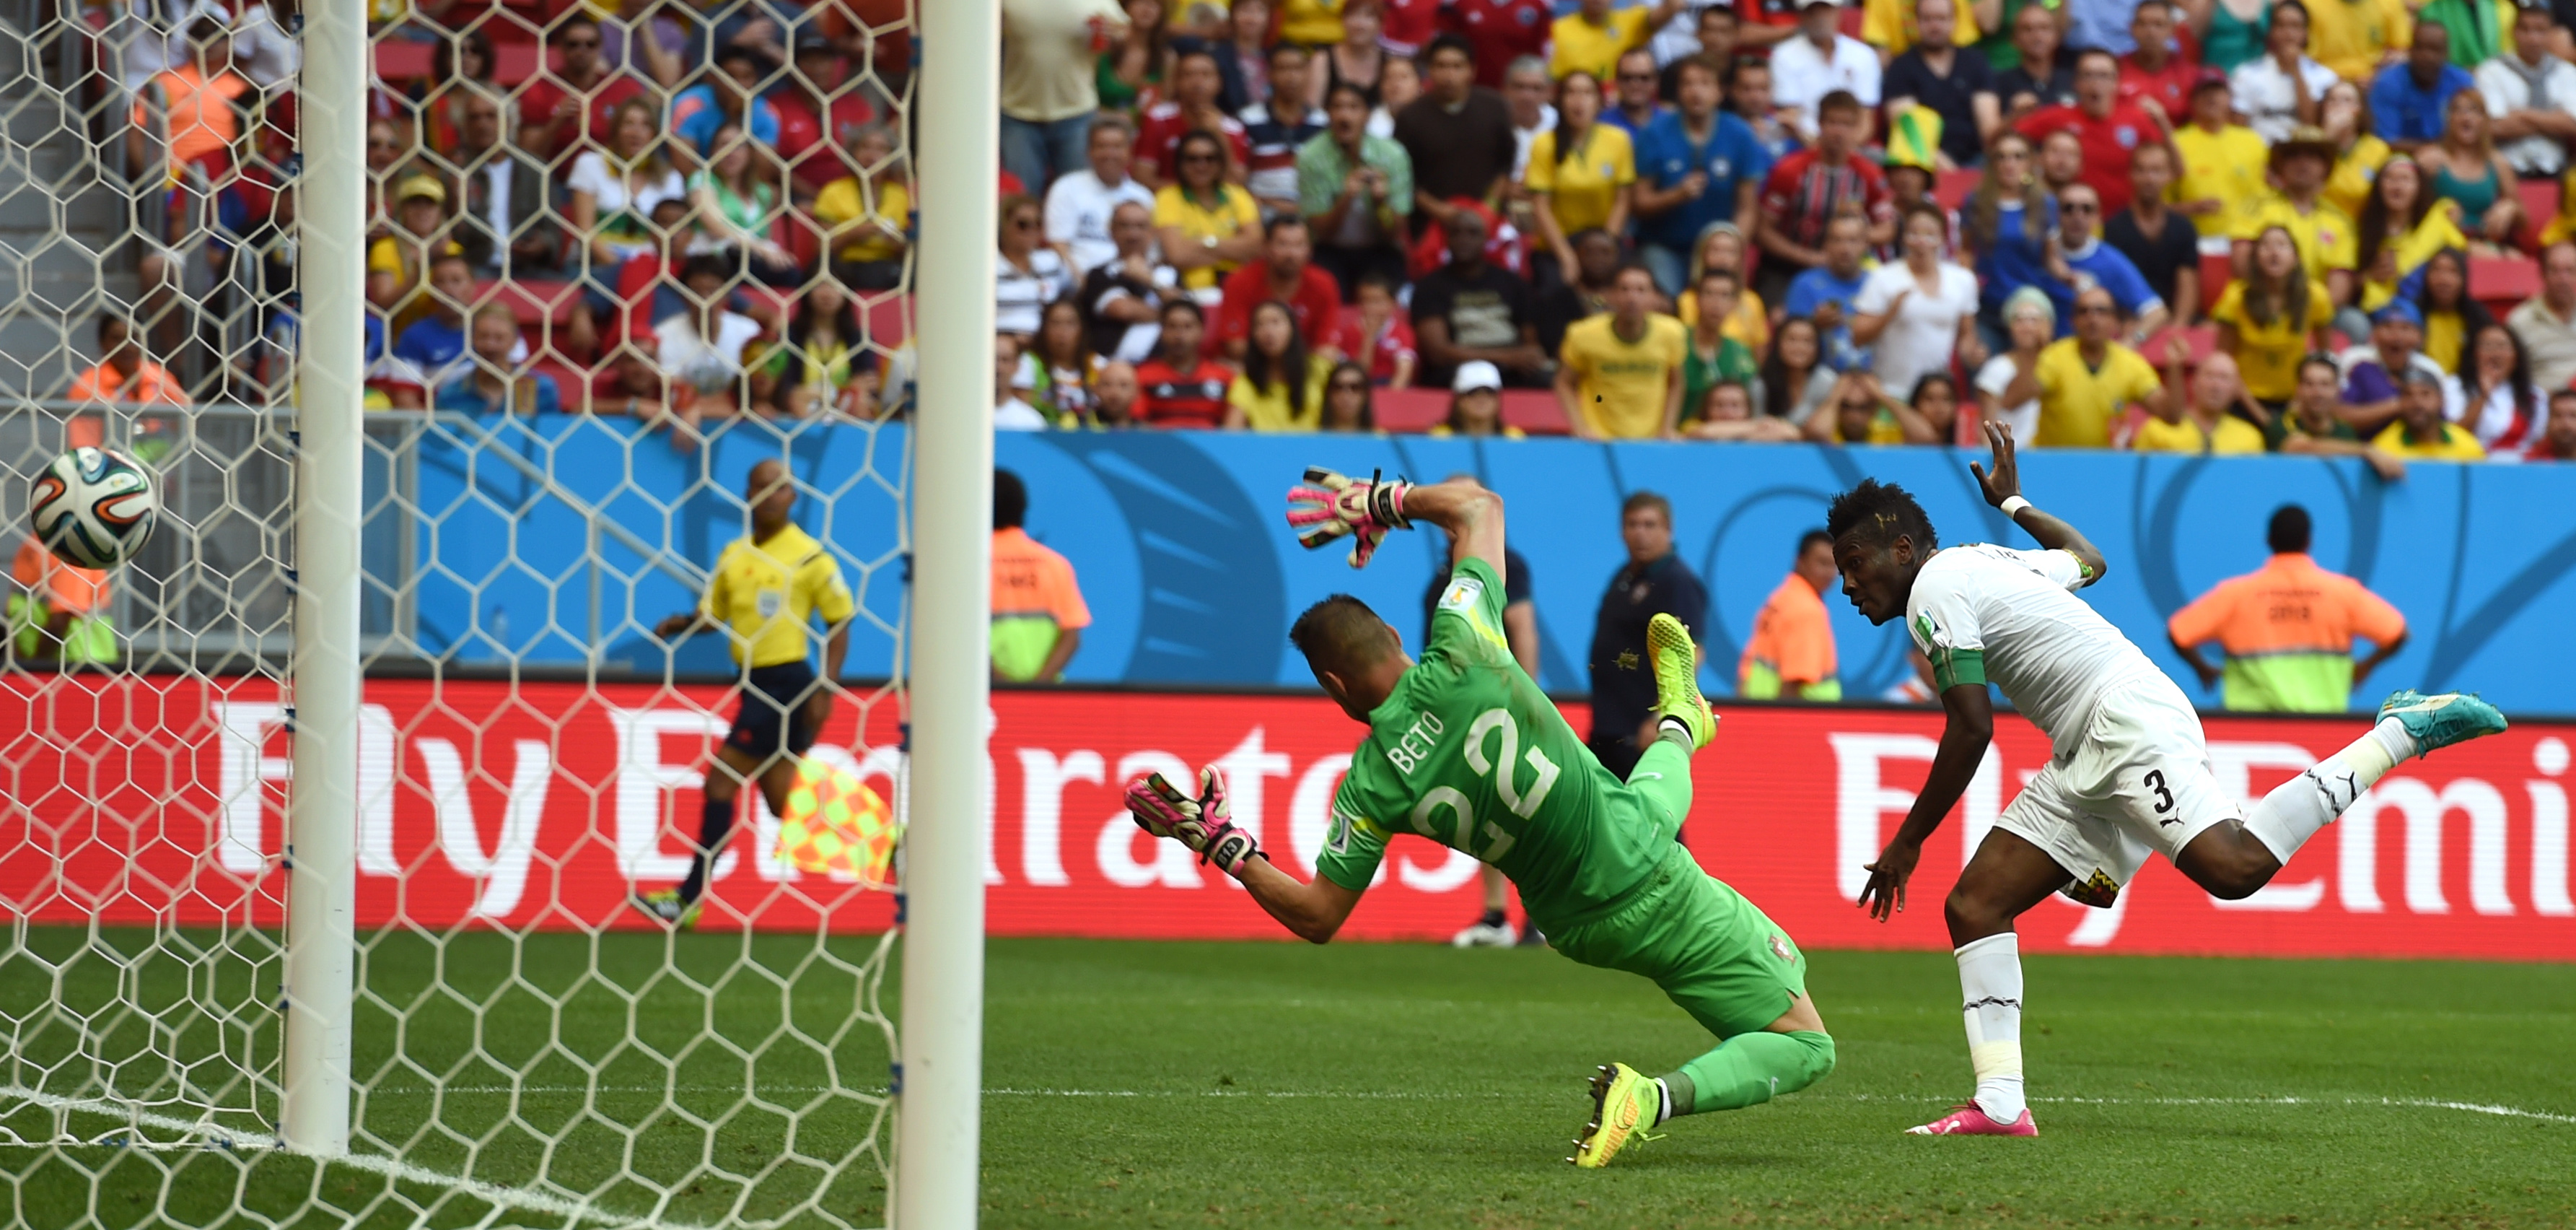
[[1748, 1070]]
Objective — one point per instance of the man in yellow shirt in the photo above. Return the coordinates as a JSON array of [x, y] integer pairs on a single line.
[[2329, 243], [2355, 37], [2222, 161], [2085, 381], [1593, 37], [1619, 375], [2420, 432], [2201, 423], [1791, 651], [765, 590], [398, 261]]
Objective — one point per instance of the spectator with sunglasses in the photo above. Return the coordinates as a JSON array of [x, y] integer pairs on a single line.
[[1209, 227], [575, 104]]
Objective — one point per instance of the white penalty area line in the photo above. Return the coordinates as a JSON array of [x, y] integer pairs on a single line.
[[217, 1136], [2479, 1108]]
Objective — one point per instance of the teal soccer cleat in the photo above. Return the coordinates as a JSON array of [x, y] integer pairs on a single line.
[[2443, 718]]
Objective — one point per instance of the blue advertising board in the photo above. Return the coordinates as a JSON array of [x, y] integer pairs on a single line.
[[1192, 577]]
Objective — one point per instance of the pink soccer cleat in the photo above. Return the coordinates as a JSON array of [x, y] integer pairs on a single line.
[[1970, 1120]]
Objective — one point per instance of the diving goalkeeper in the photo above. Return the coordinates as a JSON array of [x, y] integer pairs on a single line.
[[1464, 749]]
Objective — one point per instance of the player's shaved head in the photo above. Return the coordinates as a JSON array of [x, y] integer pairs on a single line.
[[1355, 655], [1340, 633], [771, 493]]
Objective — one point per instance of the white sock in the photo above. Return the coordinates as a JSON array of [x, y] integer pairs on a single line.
[[1663, 1101], [1990, 985], [2297, 808]]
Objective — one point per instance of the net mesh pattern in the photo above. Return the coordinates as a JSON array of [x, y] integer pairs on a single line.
[[529, 1050]]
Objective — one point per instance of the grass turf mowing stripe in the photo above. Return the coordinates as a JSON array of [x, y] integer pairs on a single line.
[[218, 1136]]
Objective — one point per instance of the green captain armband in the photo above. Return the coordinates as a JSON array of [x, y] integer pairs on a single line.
[[1952, 667]]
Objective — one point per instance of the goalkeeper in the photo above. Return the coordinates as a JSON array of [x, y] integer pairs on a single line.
[[1463, 748]]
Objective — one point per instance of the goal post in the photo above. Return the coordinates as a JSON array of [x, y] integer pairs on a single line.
[[325, 680], [319, 825], [936, 1154]]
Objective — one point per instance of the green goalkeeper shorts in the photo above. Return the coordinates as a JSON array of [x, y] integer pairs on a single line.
[[1720, 958]]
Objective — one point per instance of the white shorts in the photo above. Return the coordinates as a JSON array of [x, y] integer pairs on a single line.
[[2139, 782]]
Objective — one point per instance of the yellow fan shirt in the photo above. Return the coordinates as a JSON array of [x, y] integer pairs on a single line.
[[1582, 187], [2078, 402], [2268, 355], [2225, 166], [1621, 386]]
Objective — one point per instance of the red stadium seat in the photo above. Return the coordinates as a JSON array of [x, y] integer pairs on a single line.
[[1409, 411], [888, 319], [2203, 340], [2214, 274], [2539, 203], [1951, 188], [1412, 411], [401, 62], [532, 301], [1535, 411], [513, 63], [572, 383], [2501, 282]]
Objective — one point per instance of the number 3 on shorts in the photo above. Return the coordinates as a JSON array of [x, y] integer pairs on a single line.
[[2155, 780]]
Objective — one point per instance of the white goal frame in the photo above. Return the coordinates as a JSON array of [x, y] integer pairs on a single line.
[[941, 1036]]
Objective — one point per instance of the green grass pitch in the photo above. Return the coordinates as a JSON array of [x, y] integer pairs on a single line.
[[1140, 1084]]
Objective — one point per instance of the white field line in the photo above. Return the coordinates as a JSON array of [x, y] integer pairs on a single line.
[[218, 1136], [2480, 1108]]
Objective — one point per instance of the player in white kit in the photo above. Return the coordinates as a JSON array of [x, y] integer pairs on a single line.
[[2129, 767]]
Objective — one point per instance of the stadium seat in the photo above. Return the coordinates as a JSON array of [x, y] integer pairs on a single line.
[[2203, 339], [2501, 282], [513, 63], [531, 300], [400, 62], [1412, 411], [2539, 202], [1951, 188], [2214, 273], [1409, 411]]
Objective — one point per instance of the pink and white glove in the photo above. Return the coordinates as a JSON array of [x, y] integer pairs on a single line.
[[1204, 824], [1334, 505]]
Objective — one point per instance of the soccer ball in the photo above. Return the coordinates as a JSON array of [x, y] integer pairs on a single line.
[[93, 507]]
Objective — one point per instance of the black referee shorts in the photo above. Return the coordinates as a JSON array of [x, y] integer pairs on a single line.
[[771, 720]]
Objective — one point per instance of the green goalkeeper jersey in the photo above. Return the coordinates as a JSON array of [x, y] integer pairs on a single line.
[[1469, 753]]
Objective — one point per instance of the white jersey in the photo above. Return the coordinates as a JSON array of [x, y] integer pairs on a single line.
[[1983, 612]]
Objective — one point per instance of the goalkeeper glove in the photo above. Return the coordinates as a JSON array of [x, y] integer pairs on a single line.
[[1204, 824], [1339, 505]]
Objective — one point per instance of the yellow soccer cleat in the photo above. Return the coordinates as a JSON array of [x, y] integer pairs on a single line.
[[1676, 664], [666, 908], [1624, 1104]]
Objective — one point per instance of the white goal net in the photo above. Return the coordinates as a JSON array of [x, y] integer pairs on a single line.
[[593, 309]]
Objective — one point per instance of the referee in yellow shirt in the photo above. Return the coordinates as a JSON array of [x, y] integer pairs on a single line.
[[766, 589]]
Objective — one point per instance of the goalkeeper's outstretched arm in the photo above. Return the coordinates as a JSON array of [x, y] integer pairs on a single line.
[[1314, 909], [1472, 515], [1204, 822]]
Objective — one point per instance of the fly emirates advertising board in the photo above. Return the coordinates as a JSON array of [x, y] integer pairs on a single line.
[[140, 798]]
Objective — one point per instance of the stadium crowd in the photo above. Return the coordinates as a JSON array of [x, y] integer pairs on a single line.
[[2220, 226]]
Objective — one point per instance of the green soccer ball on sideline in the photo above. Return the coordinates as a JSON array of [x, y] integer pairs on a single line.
[[93, 507]]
